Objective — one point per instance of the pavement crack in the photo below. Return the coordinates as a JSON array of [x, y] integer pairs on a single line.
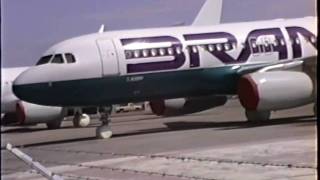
[[184, 159], [125, 170]]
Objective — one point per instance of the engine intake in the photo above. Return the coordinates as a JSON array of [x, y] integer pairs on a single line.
[[275, 90]]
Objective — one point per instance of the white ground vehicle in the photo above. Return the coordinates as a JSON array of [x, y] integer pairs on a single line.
[[128, 107]]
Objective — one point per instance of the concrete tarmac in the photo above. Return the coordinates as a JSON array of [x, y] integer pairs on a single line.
[[214, 144]]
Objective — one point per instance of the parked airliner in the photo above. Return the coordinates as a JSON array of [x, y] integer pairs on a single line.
[[183, 68]]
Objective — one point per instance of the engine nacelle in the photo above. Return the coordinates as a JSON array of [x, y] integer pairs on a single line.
[[27, 113], [180, 106], [275, 90]]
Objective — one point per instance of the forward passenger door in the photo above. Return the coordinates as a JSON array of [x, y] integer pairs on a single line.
[[109, 58]]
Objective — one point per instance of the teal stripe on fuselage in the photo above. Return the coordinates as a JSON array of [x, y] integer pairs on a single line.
[[121, 89]]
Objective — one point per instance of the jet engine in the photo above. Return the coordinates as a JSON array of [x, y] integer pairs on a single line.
[[28, 114], [275, 90], [180, 106]]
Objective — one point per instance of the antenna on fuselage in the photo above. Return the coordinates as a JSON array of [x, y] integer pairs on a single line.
[[101, 30]]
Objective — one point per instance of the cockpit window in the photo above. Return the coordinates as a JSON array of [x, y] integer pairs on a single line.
[[44, 60], [70, 58], [57, 59]]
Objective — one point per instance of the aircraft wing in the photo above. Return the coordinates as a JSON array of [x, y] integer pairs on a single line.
[[288, 65]]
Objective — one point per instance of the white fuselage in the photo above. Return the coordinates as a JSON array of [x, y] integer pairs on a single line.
[[89, 60], [136, 54]]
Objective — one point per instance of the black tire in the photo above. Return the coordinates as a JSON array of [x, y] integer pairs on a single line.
[[257, 116], [54, 124]]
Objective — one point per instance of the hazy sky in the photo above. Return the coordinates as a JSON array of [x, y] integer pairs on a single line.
[[29, 27]]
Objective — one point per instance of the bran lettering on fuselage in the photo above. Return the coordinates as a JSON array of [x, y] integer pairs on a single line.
[[174, 44], [173, 52], [250, 46], [294, 37]]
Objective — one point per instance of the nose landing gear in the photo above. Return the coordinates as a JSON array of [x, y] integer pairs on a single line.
[[104, 131]]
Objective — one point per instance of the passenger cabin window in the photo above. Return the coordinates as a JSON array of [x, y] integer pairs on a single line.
[[219, 47], [276, 42], [154, 52], [312, 39], [170, 51], [136, 53], [178, 50], [162, 51], [128, 54], [44, 60], [194, 49], [234, 45], [227, 47], [211, 47], [57, 59], [70, 58]]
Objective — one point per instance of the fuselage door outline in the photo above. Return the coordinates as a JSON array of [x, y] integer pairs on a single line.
[[108, 56]]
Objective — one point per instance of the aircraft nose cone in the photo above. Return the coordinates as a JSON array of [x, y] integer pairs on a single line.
[[24, 86], [32, 86], [18, 86]]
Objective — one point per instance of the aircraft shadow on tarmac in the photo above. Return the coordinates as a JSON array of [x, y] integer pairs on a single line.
[[19, 129], [32, 128], [188, 125], [185, 125]]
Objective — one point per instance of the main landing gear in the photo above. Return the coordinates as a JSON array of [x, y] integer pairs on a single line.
[[256, 116], [104, 131], [54, 124]]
